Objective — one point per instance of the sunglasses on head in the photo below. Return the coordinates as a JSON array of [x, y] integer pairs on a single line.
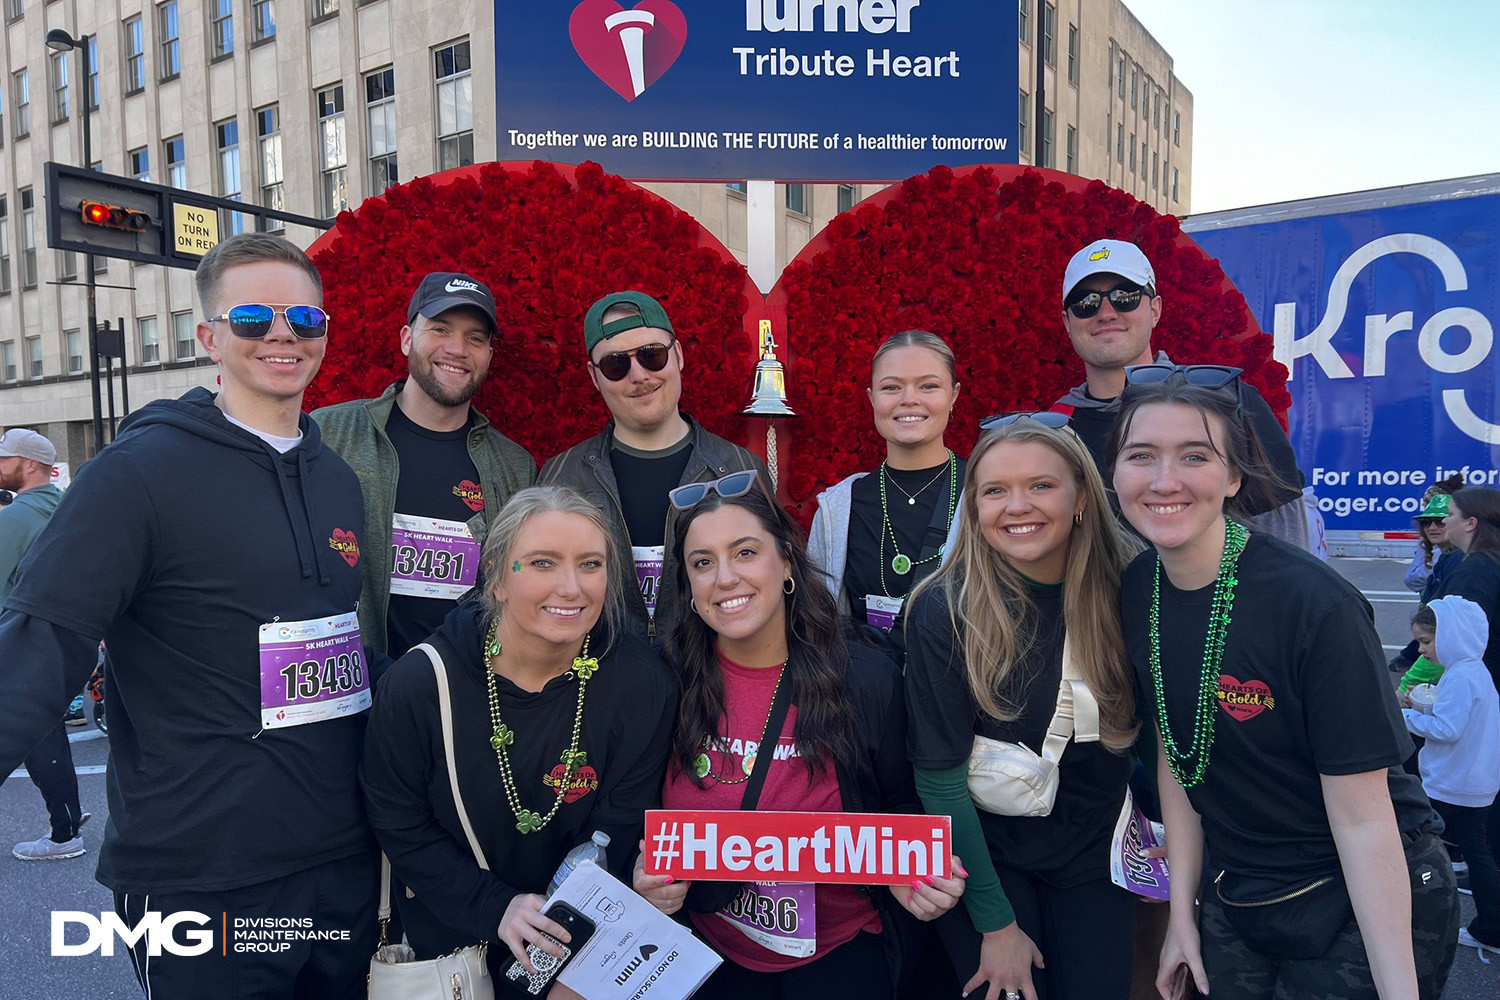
[[652, 358], [736, 484], [1123, 299], [1206, 376], [1047, 418], [253, 320]]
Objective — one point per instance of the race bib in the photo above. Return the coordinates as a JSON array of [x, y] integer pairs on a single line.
[[779, 916], [881, 611], [311, 671], [431, 557], [648, 562]]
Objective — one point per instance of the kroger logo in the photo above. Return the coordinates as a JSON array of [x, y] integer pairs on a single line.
[[158, 932], [1380, 328]]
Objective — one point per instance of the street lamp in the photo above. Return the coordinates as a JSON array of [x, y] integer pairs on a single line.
[[60, 41]]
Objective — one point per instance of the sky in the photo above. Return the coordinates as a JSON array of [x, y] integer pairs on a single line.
[[1300, 98]]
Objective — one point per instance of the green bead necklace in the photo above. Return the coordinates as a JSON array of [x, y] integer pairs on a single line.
[[1190, 766], [703, 769], [572, 758], [902, 563]]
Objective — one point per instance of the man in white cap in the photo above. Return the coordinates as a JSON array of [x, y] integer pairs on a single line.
[[26, 461], [1110, 307]]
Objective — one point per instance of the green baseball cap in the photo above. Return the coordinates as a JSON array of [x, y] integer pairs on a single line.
[[649, 314], [1437, 506]]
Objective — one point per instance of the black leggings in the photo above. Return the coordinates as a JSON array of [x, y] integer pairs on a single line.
[[856, 969], [50, 764]]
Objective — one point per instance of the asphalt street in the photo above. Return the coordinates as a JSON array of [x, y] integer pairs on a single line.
[[30, 891]]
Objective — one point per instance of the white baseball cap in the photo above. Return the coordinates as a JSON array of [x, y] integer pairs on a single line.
[[19, 442], [1109, 257]]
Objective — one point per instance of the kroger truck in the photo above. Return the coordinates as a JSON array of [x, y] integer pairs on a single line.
[[1383, 307]]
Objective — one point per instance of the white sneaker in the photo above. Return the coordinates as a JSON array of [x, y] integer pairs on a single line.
[[47, 849], [1467, 940]]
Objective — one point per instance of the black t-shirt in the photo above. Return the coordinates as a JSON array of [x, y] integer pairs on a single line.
[[1303, 691], [644, 478], [438, 479], [1071, 845], [868, 567]]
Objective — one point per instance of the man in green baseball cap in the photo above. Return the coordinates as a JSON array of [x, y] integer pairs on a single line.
[[649, 447]]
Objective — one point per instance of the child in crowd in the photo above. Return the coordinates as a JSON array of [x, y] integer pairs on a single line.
[[1462, 730]]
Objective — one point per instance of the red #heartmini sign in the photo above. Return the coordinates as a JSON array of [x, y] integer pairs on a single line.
[[628, 48], [848, 848]]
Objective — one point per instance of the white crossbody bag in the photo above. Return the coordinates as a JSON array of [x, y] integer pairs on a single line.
[[1009, 779]]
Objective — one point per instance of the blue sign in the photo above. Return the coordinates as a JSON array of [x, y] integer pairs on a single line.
[[864, 90], [1384, 318]]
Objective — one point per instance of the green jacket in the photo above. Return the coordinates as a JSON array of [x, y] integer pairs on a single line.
[[20, 524], [356, 430], [586, 467]]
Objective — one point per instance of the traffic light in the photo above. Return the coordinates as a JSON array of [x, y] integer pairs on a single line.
[[97, 213]]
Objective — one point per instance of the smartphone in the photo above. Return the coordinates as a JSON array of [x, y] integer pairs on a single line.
[[580, 929]]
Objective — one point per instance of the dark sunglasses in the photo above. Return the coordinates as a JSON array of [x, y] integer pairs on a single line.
[[1207, 376], [736, 484], [253, 321], [653, 358], [1047, 418], [1124, 299]]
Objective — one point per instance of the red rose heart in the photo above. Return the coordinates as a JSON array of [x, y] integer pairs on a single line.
[[1244, 700], [470, 493], [345, 544], [602, 49]]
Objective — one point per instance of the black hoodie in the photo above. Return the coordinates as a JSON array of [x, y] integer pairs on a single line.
[[175, 545]]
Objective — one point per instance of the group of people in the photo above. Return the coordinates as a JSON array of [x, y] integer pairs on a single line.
[[378, 629]]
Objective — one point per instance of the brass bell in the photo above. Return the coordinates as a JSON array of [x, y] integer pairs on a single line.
[[768, 398]]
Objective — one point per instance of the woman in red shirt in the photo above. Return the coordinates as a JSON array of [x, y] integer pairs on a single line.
[[766, 670]]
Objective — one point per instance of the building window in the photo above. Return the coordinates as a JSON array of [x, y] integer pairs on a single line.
[[736, 186], [67, 266], [221, 27], [20, 92], [4, 246], [227, 141], [272, 194], [1177, 128], [334, 155], [263, 17], [1023, 136], [455, 106], [846, 197], [1023, 21], [150, 340], [33, 357], [176, 159], [1073, 54], [1120, 143], [796, 198], [1049, 33], [1132, 152], [91, 73], [8, 353], [171, 44], [1143, 161], [1120, 77], [16, 9], [1047, 159], [183, 329], [73, 348], [135, 55], [1155, 170], [1156, 109], [57, 66], [28, 239], [1135, 86], [380, 120], [1072, 150], [1174, 184], [325, 8], [140, 163]]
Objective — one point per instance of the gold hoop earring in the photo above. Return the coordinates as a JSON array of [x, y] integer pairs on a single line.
[[1078, 517], [789, 586]]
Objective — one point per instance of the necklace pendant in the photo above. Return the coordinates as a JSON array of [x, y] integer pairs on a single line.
[[901, 563], [911, 501]]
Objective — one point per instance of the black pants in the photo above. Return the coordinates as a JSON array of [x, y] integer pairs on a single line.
[[335, 896], [50, 764], [856, 969], [1465, 830], [1086, 934]]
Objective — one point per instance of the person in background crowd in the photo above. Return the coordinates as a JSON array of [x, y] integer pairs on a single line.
[[215, 544], [877, 535], [649, 446], [432, 468], [1432, 545], [1033, 580], [1473, 526], [1461, 728], [1280, 739], [26, 460], [1110, 306], [561, 722], [765, 666]]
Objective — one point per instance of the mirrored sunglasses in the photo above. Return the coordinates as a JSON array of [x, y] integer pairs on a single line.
[[736, 484], [652, 358], [252, 320], [1123, 299], [1207, 376], [1047, 418]]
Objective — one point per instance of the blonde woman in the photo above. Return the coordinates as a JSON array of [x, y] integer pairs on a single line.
[[1037, 559]]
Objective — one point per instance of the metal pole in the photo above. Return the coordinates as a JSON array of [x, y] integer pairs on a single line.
[[93, 319], [1041, 77], [124, 375]]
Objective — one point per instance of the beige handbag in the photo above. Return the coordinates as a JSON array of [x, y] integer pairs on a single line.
[[1009, 779], [462, 975]]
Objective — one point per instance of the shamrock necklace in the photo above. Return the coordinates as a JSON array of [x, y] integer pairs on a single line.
[[901, 563], [1189, 766], [573, 758], [703, 769]]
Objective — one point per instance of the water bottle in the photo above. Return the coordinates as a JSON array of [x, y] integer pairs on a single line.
[[590, 850]]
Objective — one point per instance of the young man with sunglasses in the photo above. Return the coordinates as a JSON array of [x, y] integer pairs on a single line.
[[216, 544], [1110, 307], [432, 468], [649, 447]]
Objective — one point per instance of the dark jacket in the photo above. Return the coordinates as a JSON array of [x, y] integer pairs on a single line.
[[586, 467], [1478, 579]]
